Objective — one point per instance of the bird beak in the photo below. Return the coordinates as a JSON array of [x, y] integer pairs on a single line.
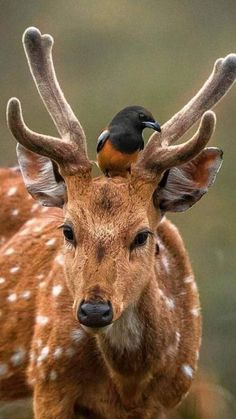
[[154, 125]]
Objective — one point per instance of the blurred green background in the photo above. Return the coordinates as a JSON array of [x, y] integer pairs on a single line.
[[110, 54]]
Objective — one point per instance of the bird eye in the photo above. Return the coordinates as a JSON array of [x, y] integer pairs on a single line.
[[68, 233], [142, 117], [140, 239]]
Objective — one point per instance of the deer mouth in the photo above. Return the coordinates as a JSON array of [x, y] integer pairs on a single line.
[[96, 330]]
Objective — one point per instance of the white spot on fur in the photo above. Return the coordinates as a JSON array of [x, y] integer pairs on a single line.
[[42, 284], [160, 244], [188, 279], [2, 239], [32, 356], [18, 357], [163, 255], [14, 269], [195, 311], [31, 381], [187, 370], [172, 349], [43, 354], [170, 303], [53, 375], [194, 286], [56, 290], [51, 242], [15, 212], [31, 222], [2, 280], [34, 207], [25, 294], [165, 262], [12, 297], [39, 342], [12, 191], [58, 352], [3, 369], [126, 332], [9, 251], [177, 336], [40, 276], [161, 293], [77, 335], [41, 320], [37, 229], [24, 231], [59, 259], [163, 219]]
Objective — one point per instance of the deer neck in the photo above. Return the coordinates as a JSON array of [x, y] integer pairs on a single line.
[[133, 347]]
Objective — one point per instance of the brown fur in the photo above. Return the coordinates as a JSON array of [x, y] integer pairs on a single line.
[[96, 372]]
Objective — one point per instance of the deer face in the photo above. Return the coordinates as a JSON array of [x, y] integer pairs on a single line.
[[109, 248]]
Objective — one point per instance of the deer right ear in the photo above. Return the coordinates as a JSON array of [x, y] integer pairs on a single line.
[[182, 186], [41, 178]]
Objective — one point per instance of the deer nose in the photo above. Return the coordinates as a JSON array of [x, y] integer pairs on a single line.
[[95, 314]]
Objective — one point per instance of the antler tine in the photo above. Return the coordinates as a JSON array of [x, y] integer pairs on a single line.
[[219, 82], [38, 49], [66, 154], [158, 159]]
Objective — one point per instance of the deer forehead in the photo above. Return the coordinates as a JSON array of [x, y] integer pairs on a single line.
[[107, 207]]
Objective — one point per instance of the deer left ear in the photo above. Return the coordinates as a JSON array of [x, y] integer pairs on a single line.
[[181, 187], [41, 177]]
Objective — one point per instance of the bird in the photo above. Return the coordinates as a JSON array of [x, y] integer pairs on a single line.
[[118, 146]]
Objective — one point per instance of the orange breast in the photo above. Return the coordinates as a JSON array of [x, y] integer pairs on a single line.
[[113, 161]]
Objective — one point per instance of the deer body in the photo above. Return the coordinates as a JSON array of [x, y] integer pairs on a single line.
[[126, 369], [106, 322]]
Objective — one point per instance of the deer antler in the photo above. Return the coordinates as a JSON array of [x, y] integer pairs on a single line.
[[160, 158], [158, 154], [70, 151]]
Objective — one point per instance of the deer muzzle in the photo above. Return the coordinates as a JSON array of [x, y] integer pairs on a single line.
[[95, 314]]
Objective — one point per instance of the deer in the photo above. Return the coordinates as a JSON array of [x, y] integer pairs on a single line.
[[100, 312]]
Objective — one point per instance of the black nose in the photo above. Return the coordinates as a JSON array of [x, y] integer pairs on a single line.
[[95, 314]]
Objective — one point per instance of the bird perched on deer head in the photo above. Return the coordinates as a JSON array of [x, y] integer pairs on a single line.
[[118, 146]]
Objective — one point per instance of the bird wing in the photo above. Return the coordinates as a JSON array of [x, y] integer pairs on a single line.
[[103, 137]]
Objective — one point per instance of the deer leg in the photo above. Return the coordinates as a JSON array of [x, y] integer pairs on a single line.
[[52, 401]]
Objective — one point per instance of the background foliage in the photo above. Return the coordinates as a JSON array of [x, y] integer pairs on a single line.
[[109, 54]]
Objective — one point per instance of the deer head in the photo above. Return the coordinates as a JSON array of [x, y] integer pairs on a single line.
[[110, 224]]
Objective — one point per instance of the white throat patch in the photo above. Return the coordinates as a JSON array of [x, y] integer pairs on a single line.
[[126, 332]]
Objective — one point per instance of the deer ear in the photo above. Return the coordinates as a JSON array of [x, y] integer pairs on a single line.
[[182, 186], [41, 178]]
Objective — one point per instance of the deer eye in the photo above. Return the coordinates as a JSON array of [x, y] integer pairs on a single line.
[[68, 233], [140, 239]]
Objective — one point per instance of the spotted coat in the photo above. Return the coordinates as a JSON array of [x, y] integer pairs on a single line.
[[43, 343]]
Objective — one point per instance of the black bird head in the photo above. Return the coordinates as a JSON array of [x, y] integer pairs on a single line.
[[135, 117]]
